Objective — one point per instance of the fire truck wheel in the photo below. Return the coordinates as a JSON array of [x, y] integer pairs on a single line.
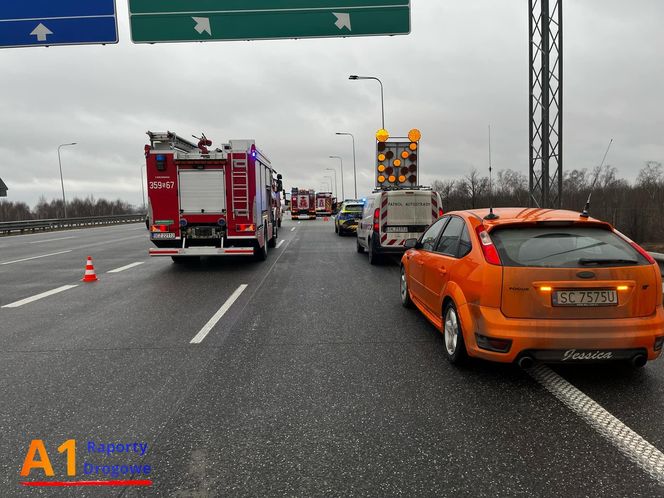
[[360, 249], [260, 253], [273, 241]]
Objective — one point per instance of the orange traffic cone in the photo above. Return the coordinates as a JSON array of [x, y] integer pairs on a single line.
[[90, 275]]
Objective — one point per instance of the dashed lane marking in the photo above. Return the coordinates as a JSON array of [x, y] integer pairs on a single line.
[[292, 229], [281, 242], [126, 267], [50, 240], [633, 446], [198, 338], [39, 296], [35, 257]]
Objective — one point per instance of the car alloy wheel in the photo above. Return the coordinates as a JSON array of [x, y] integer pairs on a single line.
[[451, 331], [405, 296], [455, 348]]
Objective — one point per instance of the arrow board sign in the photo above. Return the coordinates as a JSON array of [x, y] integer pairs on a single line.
[[157, 21], [39, 23]]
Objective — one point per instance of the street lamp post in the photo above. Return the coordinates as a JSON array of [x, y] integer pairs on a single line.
[[329, 178], [142, 187], [62, 182], [336, 190], [382, 102], [354, 169], [341, 162]]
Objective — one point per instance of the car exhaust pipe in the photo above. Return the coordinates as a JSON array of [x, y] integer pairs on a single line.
[[639, 360], [526, 361]]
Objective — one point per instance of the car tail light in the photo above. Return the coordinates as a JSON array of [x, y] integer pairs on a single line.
[[640, 249], [440, 212], [490, 252], [643, 252], [376, 217]]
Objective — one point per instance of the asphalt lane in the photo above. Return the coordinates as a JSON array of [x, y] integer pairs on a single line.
[[327, 386], [315, 382]]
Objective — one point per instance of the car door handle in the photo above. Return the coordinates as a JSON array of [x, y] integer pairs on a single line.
[[442, 271]]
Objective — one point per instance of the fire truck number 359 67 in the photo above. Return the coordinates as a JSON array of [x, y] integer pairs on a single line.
[[160, 185]]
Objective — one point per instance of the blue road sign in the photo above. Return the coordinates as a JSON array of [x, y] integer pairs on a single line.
[[30, 23]]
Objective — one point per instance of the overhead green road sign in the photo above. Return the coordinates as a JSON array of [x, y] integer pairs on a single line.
[[156, 21]]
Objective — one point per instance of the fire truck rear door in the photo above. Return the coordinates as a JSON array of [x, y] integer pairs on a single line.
[[202, 191]]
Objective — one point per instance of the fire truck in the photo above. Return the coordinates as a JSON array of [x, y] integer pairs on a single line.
[[324, 203], [303, 204], [224, 202]]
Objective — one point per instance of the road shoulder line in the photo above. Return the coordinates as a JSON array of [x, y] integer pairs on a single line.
[[628, 442]]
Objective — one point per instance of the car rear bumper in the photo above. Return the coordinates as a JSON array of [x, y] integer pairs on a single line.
[[348, 227], [551, 339]]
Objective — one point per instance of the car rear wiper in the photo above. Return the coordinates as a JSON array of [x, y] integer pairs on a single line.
[[607, 261]]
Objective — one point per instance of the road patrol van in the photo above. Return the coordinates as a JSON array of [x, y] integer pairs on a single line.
[[392, 216]]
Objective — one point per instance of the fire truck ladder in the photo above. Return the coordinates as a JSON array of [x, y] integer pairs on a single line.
[[239, 187]]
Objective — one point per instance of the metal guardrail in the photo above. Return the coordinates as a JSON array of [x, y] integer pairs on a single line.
[[13, 227]]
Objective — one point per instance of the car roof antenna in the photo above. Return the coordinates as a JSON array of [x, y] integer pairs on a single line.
[[586, 210], [491, 215]]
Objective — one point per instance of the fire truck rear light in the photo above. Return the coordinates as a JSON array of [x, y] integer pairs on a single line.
[[246, 227], [221, 222], [161, 162], [183, 223]]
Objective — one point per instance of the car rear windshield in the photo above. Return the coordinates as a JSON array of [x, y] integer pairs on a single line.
[[355, 208], [564, 247]]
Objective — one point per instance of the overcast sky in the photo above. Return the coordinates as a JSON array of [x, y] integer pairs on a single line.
[[464, 66]]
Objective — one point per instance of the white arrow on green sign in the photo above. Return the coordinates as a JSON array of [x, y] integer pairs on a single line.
[[155, 21]]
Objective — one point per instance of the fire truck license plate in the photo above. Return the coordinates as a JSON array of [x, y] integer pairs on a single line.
[[163, 235]]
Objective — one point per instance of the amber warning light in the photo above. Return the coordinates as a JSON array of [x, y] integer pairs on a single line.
[[396, 160]]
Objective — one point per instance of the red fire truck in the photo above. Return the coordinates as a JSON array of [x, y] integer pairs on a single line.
[[210, 203], [324, 203], [303, 204]]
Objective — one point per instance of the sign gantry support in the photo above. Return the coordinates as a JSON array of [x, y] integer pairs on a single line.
[[546, 102]]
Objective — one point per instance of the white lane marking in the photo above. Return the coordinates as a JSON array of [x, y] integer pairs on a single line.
[[126, 267], [50, 240], [299, 222], [39, 296], [292, 229], [281, 242], [198, 338], [633, 446], [35, 257]]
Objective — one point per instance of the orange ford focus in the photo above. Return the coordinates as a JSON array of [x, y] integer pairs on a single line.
[[535, 284]]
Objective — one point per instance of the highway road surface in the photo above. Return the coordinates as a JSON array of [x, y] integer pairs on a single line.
[[298, 376]]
